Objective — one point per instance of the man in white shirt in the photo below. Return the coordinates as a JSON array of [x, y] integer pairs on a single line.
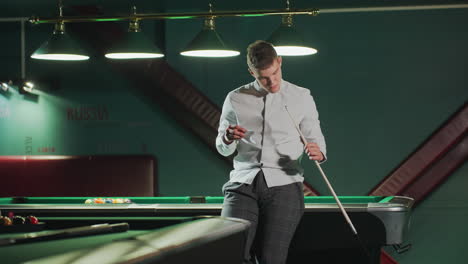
[[265, 186]]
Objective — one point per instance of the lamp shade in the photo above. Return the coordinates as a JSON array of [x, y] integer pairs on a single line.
[[288, 42], [60, 47], [135, 45], [208, 43]]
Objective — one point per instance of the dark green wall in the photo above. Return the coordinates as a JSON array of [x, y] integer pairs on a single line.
[[383, 82]]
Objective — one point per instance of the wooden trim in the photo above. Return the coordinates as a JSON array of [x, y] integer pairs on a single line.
[[430, 165], [309, 190], [385, 258], [438, 172], [430, 152]]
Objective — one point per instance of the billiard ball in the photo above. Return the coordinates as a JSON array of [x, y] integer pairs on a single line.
[[6, 221], [18, 220], [32, 220]]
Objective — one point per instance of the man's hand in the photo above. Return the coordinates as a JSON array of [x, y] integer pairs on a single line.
[[313, 151], [234, 133]]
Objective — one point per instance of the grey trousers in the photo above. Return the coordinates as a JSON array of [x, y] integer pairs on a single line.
[[274, 214]]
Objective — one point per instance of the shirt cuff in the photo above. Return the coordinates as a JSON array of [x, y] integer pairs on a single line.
[[226, 140], [324, 159]]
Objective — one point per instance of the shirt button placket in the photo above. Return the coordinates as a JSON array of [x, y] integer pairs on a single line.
[[262, 142]]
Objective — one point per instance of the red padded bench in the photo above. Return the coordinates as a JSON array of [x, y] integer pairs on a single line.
[[112, 175]]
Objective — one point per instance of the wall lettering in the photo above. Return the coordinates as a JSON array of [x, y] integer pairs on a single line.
[[46, 149], [28, 149], [88, 113]]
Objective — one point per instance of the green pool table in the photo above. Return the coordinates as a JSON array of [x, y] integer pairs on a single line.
[[323, 231]]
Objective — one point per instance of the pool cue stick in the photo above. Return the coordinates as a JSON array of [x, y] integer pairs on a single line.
[[343, 211]]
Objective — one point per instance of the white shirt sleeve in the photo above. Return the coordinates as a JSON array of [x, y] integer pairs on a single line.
[[310, 124], [228, 117]]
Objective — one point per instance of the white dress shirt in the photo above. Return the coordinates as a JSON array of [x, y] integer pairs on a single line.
[[272, 143]]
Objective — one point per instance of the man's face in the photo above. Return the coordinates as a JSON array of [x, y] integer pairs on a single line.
[[270, 77]]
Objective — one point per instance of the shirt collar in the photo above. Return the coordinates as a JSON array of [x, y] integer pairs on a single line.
[[257, 87], [261, 90]]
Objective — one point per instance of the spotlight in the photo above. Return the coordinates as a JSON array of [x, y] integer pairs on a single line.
[[5, 86], [25, 87]]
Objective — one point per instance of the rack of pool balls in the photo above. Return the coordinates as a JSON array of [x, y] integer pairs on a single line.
[[108, 201], [13, 220]]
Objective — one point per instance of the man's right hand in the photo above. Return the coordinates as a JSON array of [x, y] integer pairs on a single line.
[[234, 133]]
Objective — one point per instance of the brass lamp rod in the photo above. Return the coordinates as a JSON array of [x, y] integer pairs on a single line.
[[241, 13], [247, 13]]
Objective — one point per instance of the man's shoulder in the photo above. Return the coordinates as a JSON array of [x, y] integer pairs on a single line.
[[295, 90], [237, 94], [245, 90]]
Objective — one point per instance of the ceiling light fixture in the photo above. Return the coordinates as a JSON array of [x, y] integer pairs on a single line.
[[60, 46], [208, 43], [134, 45], [287, 41]]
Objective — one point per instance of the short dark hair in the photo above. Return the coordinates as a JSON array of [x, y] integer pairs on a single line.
[[260, 55]]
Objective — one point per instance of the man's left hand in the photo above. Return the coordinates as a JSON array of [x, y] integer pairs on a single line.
[[313, 151]]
